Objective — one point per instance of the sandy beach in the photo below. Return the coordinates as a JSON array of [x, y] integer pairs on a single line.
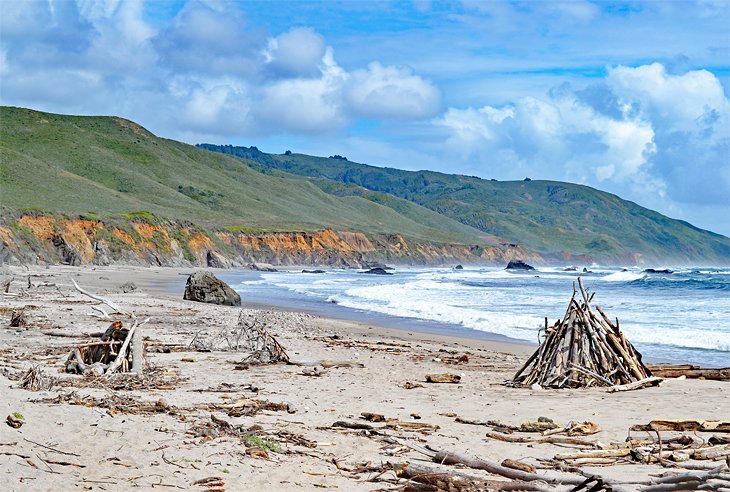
[[198, 415]]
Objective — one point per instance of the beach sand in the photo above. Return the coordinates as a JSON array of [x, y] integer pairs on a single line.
[[170, 431]]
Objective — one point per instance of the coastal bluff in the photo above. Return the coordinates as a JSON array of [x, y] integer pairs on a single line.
[[36, 238]]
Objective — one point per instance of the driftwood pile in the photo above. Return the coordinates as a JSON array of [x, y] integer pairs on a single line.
[[249, 335], [581, 350], [119, 350]]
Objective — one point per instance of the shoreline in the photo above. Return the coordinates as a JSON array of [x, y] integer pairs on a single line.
[[196, 413]]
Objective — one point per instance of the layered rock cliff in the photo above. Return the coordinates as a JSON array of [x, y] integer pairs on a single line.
[[32, 238]]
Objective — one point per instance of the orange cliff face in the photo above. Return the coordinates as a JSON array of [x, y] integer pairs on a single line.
[[35, 238]]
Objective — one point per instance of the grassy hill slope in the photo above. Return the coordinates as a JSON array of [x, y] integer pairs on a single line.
[[547, 216], [108, 166]]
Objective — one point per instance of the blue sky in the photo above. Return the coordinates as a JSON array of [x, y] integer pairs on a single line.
[[627, 97]]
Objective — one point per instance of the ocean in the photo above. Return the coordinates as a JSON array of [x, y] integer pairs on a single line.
[[678, 317]]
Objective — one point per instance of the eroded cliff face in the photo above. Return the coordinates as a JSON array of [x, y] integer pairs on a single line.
[[34, 238]]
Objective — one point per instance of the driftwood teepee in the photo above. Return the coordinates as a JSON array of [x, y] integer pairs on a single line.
[[583, 349]]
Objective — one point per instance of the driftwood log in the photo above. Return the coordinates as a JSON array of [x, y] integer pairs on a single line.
[[689, 371]]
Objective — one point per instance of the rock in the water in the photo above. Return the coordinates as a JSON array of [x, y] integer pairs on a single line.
[[312, 271], [570, 269], [458, 267], [375, 264], [651, 270], [377, 271], [205, 287], [262, 267], [519, 265]]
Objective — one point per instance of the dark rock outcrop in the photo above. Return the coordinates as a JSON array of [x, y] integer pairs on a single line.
[[376, 264], [312, 271], [205, 287], [519, 265], [377, 271], [651, 270], [458, 267]]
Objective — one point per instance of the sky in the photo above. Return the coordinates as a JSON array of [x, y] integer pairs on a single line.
[[627, 97]]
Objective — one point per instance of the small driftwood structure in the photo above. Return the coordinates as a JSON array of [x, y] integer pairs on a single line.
[[120, 350], [583, 349]]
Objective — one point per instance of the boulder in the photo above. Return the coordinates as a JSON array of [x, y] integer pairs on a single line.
[[205, 287], [312, 271], [262, 267], [377, 271], [458, 267], [653, 271], [519, 265]]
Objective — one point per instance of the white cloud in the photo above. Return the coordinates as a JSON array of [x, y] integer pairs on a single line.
[[676, 101], [649, 135], [297, 52], [390, 92]]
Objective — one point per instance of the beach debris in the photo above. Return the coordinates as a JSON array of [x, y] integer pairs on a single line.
[[15, 420], [111, 354], [427, 478], [315, 371], [684, 425], [250, 407], [583, 349], [689, 371], [206, 287], [542, 424], [34, 379], [409, 386], [210, 483], [642, 383], [518, 465], [326, 363], [18, 318], [249, 335], [104, 300], [443, 378]]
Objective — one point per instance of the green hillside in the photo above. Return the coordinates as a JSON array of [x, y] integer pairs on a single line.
[[546, 216], [107, 166]]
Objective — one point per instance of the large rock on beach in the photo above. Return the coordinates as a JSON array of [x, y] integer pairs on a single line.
[[519, 265], [205, 287]]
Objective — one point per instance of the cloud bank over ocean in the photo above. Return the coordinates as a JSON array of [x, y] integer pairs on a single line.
[[629, 98]]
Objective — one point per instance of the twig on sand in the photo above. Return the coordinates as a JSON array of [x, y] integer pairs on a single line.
[[52, 449]]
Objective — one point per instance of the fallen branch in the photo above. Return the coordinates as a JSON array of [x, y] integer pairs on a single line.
[[451, 480], [642, 383], [545, 439], [103, 299]]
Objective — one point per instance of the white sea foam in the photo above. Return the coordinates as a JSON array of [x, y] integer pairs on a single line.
[[624, 277], [671, 319]]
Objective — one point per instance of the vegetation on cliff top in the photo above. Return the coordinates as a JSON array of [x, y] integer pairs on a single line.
[[107, 166], [546, 216]]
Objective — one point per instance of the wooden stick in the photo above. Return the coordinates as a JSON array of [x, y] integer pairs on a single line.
[[137, 352], [642, 383], [102, 299], [121, 356]]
